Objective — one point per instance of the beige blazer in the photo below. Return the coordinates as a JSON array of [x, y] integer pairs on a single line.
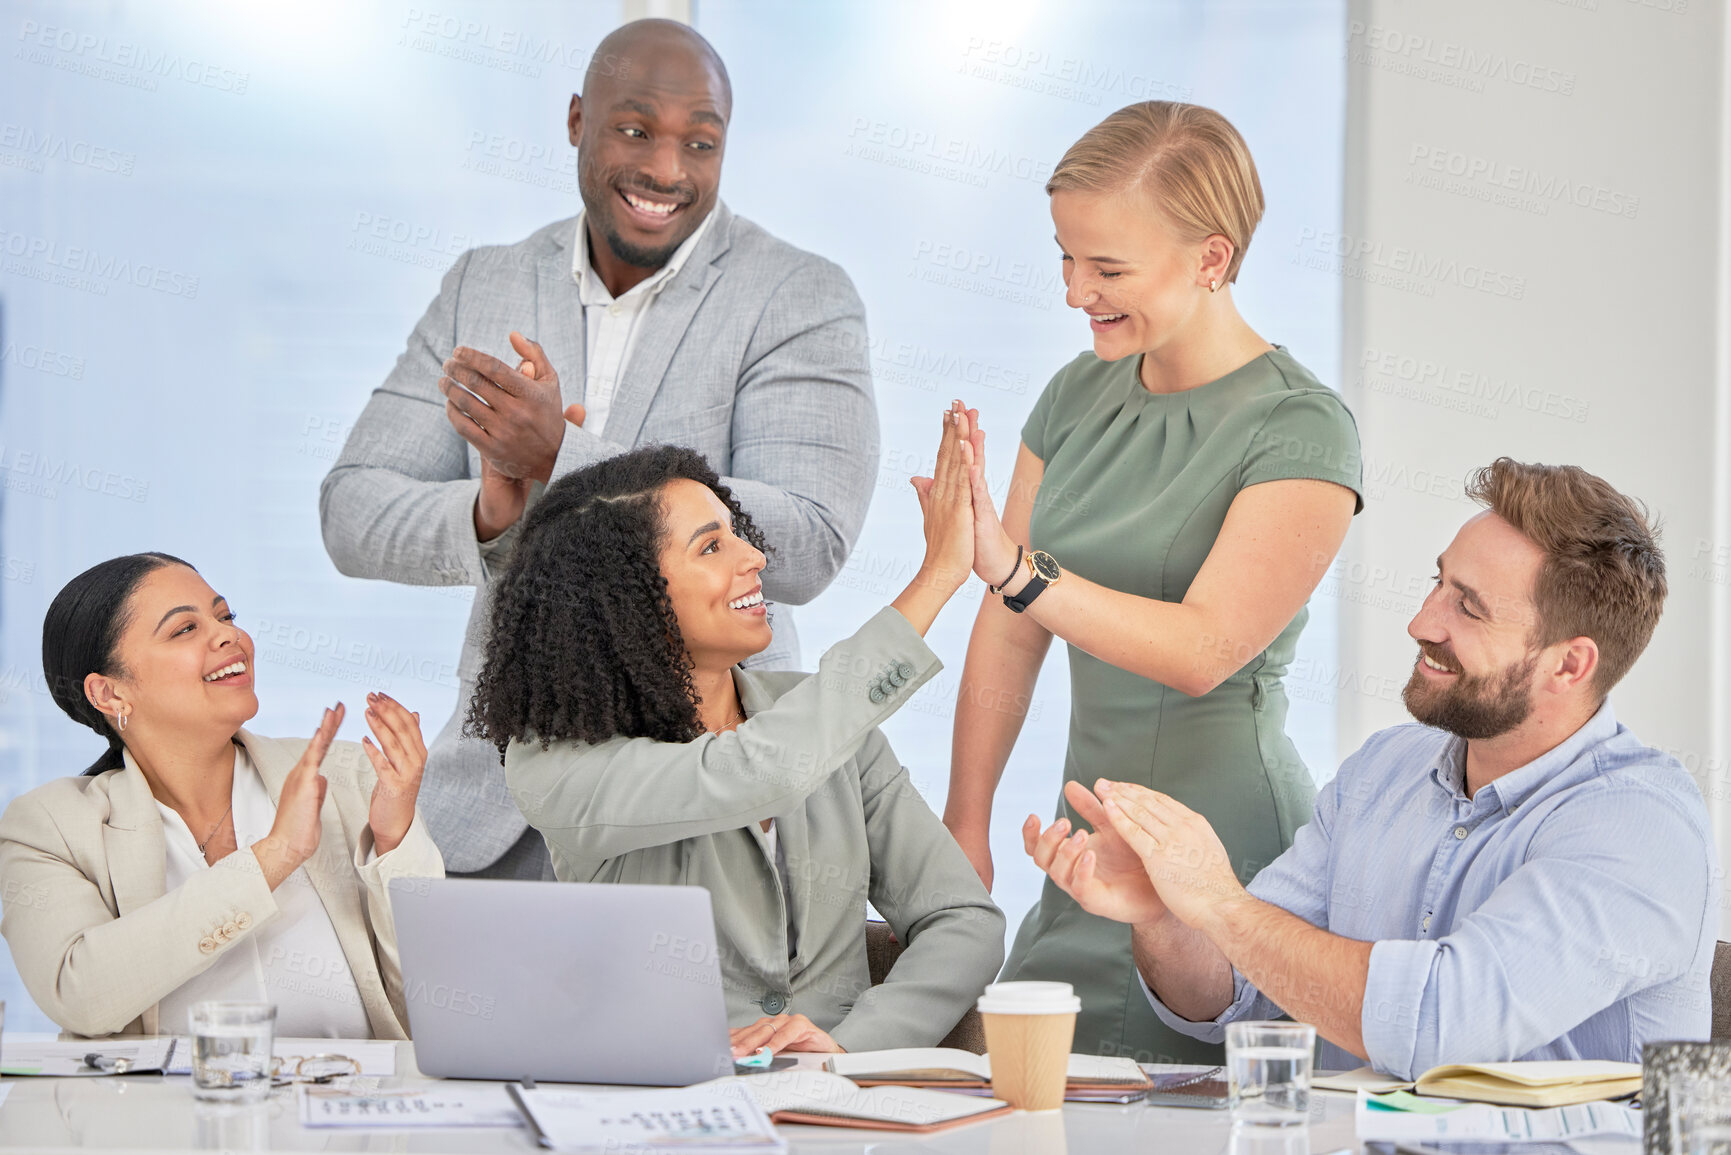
[[99, 940]]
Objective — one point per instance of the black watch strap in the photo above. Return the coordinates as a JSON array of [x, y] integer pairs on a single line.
[[1035, 587]]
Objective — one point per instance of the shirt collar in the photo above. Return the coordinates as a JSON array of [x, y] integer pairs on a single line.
[[1450, 768], [591, 290]]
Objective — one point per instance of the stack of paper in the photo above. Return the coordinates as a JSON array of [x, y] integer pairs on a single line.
[[121, 1056]]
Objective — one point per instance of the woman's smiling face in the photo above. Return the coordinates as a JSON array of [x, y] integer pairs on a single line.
[[1126, 267], [713, 577]]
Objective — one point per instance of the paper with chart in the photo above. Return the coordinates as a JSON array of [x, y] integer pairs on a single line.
[[707, 1117], [1390, 1117], [445, 1105]]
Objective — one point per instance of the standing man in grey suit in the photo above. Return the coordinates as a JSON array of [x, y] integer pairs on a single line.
[[657, 316]]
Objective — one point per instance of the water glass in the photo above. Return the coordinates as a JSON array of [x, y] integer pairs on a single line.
[[231, 1050], [1700, 1113], [1268, 1072]]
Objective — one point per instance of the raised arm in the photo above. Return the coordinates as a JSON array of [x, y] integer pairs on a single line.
[[593, 803], [1278, 540], [1005, 651]]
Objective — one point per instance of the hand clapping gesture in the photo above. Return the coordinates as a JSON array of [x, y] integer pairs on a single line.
[[1148, 855], [398, 758]]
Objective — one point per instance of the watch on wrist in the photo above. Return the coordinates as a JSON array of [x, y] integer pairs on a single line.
[[1043, 571]]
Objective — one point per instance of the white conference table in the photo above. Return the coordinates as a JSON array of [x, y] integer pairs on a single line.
[[158, 1113]]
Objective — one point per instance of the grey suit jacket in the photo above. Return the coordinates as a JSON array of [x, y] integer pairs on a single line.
[[98, 938], [754, 355], [851, 825]]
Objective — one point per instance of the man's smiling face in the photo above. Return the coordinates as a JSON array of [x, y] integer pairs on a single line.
[[650, 130]]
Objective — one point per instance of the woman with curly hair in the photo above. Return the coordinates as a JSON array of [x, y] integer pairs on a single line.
[[643, 753]]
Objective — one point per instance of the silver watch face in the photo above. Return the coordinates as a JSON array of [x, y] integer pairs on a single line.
[[1045, 565]]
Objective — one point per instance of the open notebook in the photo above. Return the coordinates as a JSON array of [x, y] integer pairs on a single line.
[[950, 1068], [832, 1101], [1549, 1083]]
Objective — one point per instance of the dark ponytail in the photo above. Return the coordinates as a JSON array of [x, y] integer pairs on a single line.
[[81, 632]]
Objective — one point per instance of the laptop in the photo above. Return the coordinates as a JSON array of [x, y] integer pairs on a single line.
[[561, 982]]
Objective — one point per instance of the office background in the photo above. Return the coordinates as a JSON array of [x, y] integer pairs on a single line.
[[1498, 226]]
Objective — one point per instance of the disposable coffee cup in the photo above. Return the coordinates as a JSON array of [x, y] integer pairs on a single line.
[[1029, 1029]]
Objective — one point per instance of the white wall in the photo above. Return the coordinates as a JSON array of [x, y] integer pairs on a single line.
[[1553, 291]]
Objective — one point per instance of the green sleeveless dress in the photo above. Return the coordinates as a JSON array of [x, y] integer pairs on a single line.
[[1135, 490]]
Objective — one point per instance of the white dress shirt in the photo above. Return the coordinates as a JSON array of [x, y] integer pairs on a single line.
[[610, 324], [293, 960]]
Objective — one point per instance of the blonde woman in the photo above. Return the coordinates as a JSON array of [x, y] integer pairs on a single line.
[[1178, 493]]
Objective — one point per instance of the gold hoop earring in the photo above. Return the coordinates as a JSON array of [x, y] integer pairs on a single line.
[[123, 718]]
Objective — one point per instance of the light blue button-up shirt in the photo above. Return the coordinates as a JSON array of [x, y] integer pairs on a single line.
[[1568, 911]]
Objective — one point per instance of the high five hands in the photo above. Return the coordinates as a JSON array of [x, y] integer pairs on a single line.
[[513, 419], [946, 506], [1148, 856]]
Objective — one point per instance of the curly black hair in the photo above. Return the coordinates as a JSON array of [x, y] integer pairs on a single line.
[[584, 643]]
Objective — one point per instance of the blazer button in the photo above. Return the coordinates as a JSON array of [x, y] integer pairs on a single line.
[[232, 929], [907, 671], [896, 677], [877, 696], [243, 920], [774, 1003], [207, 945]]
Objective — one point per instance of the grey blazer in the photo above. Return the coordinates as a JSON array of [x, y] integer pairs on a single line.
[[98, 938], [851, 825], [754, 355]]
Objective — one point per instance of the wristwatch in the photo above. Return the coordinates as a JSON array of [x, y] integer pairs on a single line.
[[1043, 570]]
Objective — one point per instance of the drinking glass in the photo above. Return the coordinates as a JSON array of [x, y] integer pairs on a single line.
[[1268, 1072], [231, 1050], [1700, 1113]]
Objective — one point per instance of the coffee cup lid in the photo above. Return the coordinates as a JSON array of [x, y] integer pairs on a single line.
[[1029, 998]]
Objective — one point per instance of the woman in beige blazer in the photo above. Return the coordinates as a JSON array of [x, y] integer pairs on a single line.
[[639, 747], [196, 859]]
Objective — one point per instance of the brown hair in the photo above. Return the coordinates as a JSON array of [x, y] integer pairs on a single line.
[[1603, 575], [1188, 159]]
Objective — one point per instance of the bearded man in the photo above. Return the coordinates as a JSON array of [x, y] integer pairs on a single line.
[[1514, 877]]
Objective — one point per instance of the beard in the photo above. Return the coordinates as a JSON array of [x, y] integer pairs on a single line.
[[1475, 707], [601, 199]]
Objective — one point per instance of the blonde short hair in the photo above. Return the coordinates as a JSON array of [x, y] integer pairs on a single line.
[[1188, 159]]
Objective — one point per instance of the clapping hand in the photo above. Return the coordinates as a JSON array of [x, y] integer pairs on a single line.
[[398, 759], [503, 495], [294, 836], [1098, 869], [1179, 851], [513, 418]]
